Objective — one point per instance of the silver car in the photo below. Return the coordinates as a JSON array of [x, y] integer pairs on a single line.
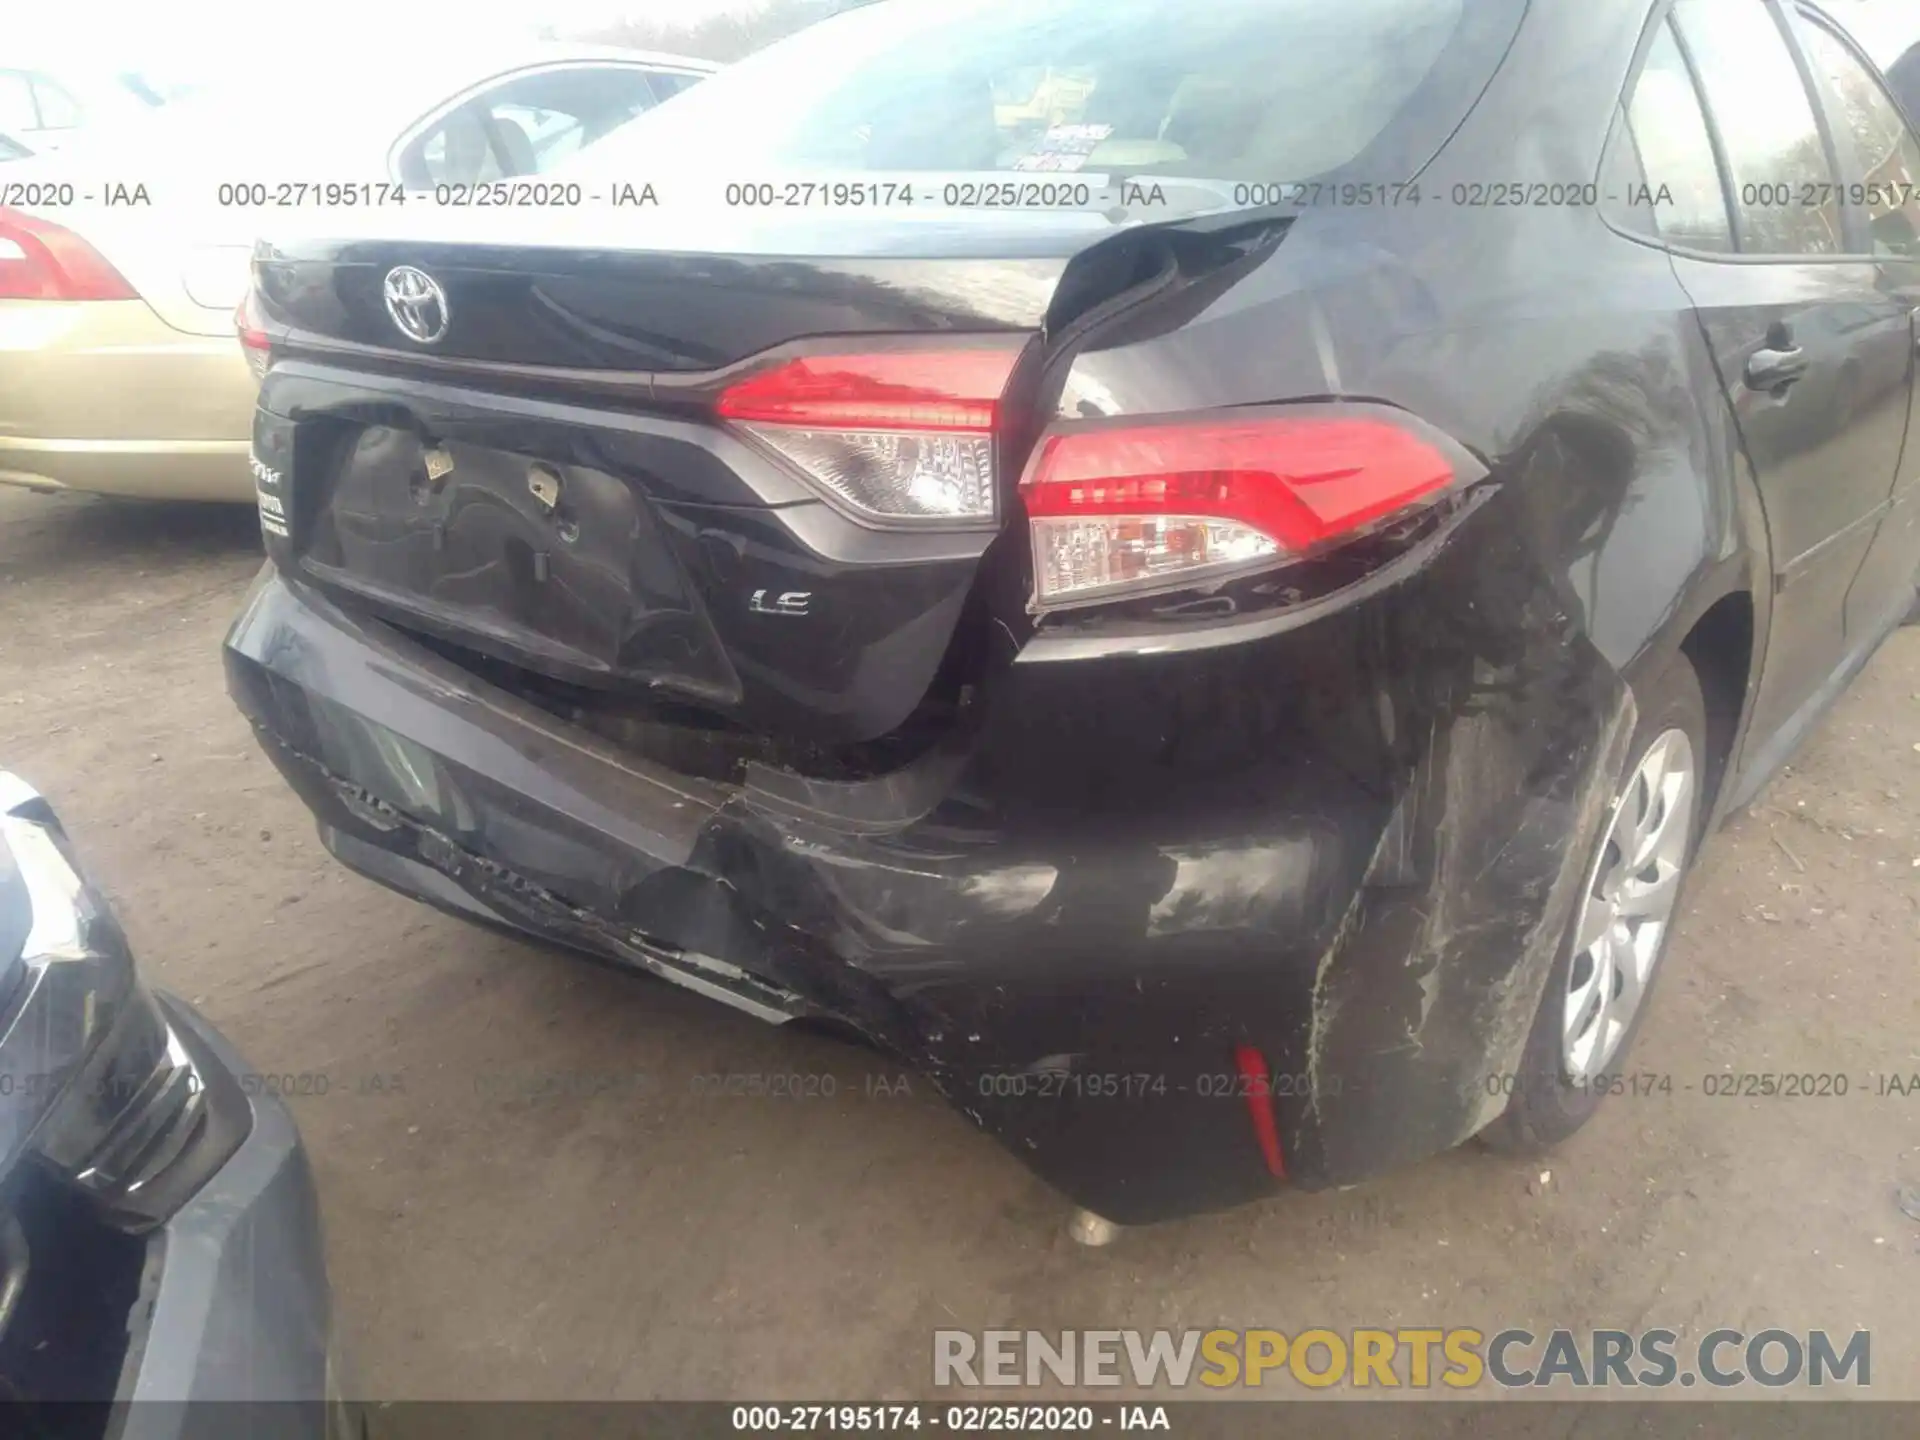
[[140, 305]]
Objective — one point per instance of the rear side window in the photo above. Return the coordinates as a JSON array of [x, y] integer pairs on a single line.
[[1253, 90], [669, 83], [1785, 193], [58, 109], [527, 125], [1686, 199], [1886, 156], [16, 102]]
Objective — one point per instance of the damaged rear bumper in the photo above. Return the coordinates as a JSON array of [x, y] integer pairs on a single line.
[[1074, 917]]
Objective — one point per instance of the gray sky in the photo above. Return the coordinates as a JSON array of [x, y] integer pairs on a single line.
[[232, 36], [1884, 27], [191, 37]]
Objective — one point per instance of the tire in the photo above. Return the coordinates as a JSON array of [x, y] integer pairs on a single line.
[[1548, 1103]]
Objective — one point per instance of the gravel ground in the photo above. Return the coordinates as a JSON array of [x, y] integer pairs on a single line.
[[617, 1236]]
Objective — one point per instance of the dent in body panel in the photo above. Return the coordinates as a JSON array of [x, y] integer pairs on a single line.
[[1614, 517], [1432, 979], [1460, 924], [1355, 844], [1416, 775], [1466, 963], [1134, 876]]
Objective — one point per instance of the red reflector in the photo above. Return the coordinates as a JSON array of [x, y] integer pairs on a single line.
[[1259, 1091], [1303, 482], [941, 390], [254, 341], [40, 260], [246, 322]]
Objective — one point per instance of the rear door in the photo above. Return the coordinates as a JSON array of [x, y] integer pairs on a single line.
[[1811, 346], [1881, 154]]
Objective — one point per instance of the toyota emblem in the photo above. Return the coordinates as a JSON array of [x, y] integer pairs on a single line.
[[417, 304]]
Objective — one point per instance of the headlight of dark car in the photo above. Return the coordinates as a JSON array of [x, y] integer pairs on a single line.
[[93, 1081]]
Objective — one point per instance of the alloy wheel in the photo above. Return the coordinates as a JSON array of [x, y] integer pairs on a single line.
[[1627, 907]]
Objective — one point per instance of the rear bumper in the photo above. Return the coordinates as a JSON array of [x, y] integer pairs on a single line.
[[240, 1306], [106, 397], [1071, 919]]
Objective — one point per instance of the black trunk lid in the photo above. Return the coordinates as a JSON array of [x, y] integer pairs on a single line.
[[545, 485], [561, 292]]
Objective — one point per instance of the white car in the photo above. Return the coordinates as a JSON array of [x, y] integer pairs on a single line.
[[134, 302], [45, 104]]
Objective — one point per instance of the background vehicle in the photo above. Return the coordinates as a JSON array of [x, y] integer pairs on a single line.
[[118, 372], [1904, 76], [47, 105], [1231, 689], [159, 1236]]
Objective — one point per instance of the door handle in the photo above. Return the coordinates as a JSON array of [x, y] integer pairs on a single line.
[[1777, 371]]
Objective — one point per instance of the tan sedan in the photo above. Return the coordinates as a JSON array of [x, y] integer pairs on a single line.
[[120, 373], [104, 394]]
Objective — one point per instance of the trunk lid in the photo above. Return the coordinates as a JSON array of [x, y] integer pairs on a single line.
[[546, 487], [560, 289]]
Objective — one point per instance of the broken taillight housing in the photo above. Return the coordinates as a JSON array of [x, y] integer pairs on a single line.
[[896, 436], [1143, 507]]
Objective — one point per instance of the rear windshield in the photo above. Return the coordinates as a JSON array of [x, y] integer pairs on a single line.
[[1240, 90]]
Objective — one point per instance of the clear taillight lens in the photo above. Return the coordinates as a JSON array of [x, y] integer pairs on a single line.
[[897, 436], [900, 477], [1080, 558], [1138, 508]]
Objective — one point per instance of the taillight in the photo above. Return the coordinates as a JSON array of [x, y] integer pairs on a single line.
[[40, 260], [1143, 507], [897, 435], [253, 339]]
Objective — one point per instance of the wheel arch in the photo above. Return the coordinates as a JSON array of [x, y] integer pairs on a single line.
[[1721, 647], [1720, 632]]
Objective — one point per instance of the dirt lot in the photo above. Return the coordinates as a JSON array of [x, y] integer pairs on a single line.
[[621, 1237]]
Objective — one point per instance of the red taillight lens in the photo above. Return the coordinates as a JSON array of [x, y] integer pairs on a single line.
[[253, 339], [897, 435], [1143, 507], [40, 260]]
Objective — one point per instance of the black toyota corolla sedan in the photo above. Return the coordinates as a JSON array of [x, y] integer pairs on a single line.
[[1199, 571]]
